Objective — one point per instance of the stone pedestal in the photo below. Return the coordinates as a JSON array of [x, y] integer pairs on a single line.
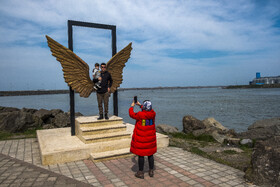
[[95, 139]]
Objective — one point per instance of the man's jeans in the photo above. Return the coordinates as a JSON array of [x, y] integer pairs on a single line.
[[103, 98]]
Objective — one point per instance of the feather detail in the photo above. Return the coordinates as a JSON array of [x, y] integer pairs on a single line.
[[116, 64], [75, 70]]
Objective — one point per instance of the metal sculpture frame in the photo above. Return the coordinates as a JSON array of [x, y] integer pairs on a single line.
[[72, 23]]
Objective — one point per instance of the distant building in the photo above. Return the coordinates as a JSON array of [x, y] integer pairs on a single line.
[[265, 80]]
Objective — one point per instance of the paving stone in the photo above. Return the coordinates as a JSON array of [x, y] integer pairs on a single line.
[[173, 167], [32, 175]]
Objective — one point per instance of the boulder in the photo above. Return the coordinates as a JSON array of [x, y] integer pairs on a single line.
[[61, 120], [265, 163], [8, 121], [166, 129], [218, 137], [260, 124], [17, 121], [211, 122], [8, 109], [30, 110], [247, 142], [190, 124], [231, 133], [262, 129], [48, 126], [209, 126], [199, 132], [54, 112], [76, 114], [43, 114]]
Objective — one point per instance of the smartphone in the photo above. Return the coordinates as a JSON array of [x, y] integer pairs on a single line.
[[135, 99]]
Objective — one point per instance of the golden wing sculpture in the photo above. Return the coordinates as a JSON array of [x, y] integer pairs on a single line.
[[76, 71]]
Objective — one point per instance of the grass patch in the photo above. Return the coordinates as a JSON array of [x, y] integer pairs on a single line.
[[190, 136], [231, 158], [197, 151], [30, 133], [230, 152], [4, 135]]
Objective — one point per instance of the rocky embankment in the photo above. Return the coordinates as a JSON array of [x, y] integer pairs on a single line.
[[256, 151], [15, 120]]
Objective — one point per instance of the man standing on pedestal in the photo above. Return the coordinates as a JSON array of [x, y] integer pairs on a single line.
[[103, 93]]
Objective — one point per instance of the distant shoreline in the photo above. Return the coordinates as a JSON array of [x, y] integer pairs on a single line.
[[253, 86], [46, 92]]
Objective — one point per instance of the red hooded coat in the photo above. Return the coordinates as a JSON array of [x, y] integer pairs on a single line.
[[144, 141]]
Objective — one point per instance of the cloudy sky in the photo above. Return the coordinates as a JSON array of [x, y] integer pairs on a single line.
[[175, 43]]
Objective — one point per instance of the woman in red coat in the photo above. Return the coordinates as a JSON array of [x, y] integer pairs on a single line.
[[144, 142]]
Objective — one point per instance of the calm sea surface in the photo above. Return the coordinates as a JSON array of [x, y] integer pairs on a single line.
[[233, 108]]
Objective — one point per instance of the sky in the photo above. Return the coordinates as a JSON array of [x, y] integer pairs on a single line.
[[175, 43]]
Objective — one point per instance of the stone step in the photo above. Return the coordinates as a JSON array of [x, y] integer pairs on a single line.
[[97, 157], [105, 137], [102, 129], [91, 121]]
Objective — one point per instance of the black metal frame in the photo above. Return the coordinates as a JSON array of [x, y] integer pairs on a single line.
[[72, 23]]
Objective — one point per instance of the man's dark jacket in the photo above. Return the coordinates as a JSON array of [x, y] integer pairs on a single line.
[[106, 76]]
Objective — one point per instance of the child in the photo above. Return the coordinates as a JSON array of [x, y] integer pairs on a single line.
[[96, 75]]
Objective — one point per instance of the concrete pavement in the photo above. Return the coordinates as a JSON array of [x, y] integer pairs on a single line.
[[20, 165]]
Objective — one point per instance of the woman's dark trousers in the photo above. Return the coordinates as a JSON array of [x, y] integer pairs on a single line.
[[141, 162]]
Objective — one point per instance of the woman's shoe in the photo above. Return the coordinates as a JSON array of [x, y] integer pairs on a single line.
[[139, 174], [151, 173]]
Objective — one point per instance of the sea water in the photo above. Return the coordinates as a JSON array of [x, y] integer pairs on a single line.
[[234, 108]]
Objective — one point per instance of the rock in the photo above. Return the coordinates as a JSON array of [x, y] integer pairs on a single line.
[[211, 122], [247, 142], [30, 110], [231, 133], [265, 163], [199, 132], [61, 120], [8, 121], [8, 109], [264, 123], [209, 126], [54, 112], [166, 129], [190, 124], [262, 129], [78, 114], [38, 122], [16, 121], [48, 126], [27, 120], [232, 141], [212, 131], [218, 137], [43, 114], [222, 149]]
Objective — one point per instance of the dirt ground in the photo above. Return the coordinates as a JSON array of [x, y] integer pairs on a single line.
[[222, 153]]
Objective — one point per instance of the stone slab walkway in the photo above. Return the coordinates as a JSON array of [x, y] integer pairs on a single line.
[[20, 165]]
